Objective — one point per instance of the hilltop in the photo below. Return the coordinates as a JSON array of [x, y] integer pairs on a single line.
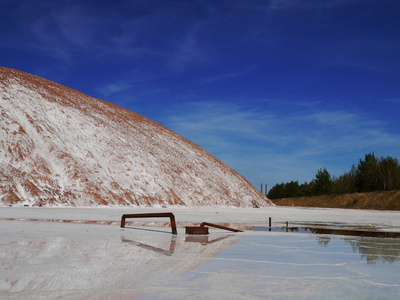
[[60, 147]]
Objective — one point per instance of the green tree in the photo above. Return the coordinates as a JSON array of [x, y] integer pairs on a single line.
[[292, 189], [307, 189], [367, 174], [388, 173], [345, 183], [277, 191], [323, 182], [371, 174]]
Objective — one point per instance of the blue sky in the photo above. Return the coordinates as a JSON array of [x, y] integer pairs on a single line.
[[276, 89]]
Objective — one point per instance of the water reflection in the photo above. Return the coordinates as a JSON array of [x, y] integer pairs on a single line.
[[296, 266], [202, 239], [94, 262], [153, 248], [335, 231], [375, 250], [371, 249], [371, 245]]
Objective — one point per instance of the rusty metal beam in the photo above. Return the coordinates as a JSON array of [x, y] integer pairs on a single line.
[[219, 226], [151, 215]]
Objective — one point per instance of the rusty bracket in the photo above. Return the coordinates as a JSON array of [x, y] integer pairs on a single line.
[[219, 226], [151, 215], [196, 230]]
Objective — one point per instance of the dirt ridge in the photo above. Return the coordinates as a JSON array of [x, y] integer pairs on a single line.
[[388, 200]]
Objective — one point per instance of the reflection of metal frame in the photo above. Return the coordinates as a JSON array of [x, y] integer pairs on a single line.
[[152, 248], [189, 239], [354, 232], [151, 215], [203, 239], [332, 231]]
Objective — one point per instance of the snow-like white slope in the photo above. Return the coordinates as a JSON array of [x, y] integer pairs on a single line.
[[61, 147]]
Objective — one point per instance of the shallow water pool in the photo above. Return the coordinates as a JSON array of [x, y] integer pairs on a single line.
[[296, 266]]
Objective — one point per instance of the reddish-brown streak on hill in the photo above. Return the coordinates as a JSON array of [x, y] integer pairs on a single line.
[[61, 147]]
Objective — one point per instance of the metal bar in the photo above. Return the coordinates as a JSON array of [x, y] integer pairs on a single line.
[[151, 215], [219, 226]]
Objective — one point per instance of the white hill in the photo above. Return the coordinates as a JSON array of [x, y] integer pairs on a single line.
[[61, 147]]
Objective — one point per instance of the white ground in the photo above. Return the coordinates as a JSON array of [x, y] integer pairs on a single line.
[[40, 259]]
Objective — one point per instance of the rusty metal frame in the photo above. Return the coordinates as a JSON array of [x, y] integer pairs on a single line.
[[219, 226], [151, 215]]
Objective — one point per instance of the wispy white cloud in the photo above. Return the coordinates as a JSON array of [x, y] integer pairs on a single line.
[[282, 103], [69, 30], [203, 120], [228, 75], [187, 51], [295, 143], [113, 88], [72, 30], [63, 31]]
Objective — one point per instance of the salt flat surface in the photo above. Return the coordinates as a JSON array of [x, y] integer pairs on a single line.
[[293, 267], [40, 259], [279, 215]]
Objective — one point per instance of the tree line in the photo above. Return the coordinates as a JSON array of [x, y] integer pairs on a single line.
[[371, 174]]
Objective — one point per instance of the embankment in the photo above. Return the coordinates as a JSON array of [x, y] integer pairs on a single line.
[[388, 200]]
